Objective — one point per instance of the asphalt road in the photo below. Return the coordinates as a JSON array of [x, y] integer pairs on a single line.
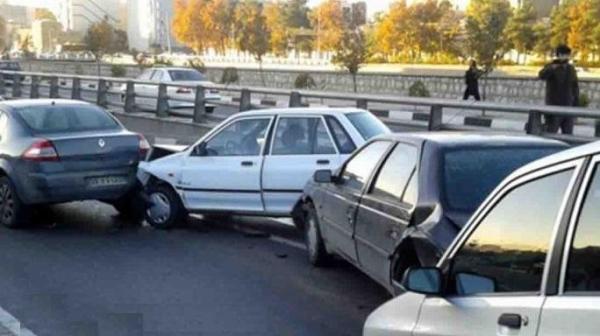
[[82, 271]]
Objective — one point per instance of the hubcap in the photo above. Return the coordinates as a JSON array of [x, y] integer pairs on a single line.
[[7, 204], [160, 208]]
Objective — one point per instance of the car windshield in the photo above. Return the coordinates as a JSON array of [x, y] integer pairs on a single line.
[[186, 75], [471, 174], [66, 118], [367, 124]]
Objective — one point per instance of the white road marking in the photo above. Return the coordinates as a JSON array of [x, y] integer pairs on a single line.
[[13, 325]]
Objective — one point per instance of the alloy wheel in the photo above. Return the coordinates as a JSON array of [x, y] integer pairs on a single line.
[[160, 208]]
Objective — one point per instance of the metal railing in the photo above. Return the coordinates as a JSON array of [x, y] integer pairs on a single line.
[[102, 87]]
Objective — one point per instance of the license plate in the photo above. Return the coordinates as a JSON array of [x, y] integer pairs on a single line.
[[106, 181]]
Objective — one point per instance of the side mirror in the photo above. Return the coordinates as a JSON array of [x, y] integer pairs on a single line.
[[427, 280], [469, 284], [323, 176]]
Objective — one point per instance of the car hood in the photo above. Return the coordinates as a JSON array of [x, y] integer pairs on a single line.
[[395, 317]]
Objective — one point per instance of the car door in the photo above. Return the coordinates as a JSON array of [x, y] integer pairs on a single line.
[[384, 212], [301, 145], [576, 307], [144, 89], [498, 270], [223, 172], [157, 78], [337, 210]]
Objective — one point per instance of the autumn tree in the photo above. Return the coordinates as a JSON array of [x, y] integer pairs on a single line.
[[351, 52], [560, 23], [279, 34], [296, 14], [485, 24], [596, 41], [393, 32], [188, 26], [44, 14], [542, 33], [252, 33], [218, 20], [520, 29], [328, 22], [102, 38], [584, 17], [4, 43]]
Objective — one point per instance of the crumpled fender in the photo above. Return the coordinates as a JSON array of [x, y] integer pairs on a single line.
[[167, 169]]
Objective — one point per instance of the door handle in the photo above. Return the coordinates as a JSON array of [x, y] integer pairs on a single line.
[[350, 215], [512, 321], [322, 162], [247, 163]]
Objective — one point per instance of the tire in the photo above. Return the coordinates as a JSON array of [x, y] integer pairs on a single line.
[[165, 210], [317, 253], [13, 213], [131, 207]]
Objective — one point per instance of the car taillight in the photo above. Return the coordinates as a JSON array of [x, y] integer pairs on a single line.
[[42, 150], [184, 90], [144, 146]]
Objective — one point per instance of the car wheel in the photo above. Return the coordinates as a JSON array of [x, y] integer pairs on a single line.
[[317, 253], [131, 207], [164, 210], [12, 210]]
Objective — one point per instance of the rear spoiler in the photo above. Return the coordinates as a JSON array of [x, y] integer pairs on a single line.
[[159, 151]]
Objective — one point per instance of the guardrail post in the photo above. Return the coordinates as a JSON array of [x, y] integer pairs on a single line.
[[435, 118], [295, 99], [245, 100], [54, 87], [101, 93], [362, 104], [2, 85], [199, 105], [76, 88], [129, 97], [162, 103], [16, 86], [534, 123], [34, 92]]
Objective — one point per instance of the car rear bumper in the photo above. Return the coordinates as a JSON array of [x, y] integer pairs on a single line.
[[45, 188]]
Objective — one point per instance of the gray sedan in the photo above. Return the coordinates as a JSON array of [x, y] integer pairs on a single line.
[[55, 151]]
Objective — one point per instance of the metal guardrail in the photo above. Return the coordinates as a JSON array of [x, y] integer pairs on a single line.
[[435, 107]]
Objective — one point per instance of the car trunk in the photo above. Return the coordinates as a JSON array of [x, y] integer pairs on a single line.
[[94, 151]]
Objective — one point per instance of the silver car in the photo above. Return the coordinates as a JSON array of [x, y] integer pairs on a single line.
[[527, 263], [54, 151]]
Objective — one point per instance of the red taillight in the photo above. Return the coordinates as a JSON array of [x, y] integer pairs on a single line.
[[144, 146], [42, 150], [184, 90]]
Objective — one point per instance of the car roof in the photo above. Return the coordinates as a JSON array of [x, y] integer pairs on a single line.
[[18, 103], [460, 139], [563, 156], [173, 68], [302, 110]]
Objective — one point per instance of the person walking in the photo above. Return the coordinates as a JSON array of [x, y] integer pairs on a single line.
[[562, 89], [472, 80]]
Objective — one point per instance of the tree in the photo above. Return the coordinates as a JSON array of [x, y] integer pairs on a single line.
[[584, 17], [393, 32], [520, 29], [44, 14], [218, 20], [4, 43], [274, 13], [252, 33], [485, 23], [328, 21], [102, 38], [351, 52], [188, 26], [596, 41], [296, 14], [560, 23], [542, 33]]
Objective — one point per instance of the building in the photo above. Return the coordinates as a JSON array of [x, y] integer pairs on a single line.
[[78, 15], [16, 15], [45, 35], [149, 24]]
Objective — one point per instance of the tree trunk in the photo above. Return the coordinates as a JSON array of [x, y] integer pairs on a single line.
[[260, 70], [354, 82], [98, 68]]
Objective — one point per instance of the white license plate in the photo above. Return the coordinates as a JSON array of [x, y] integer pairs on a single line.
[[106, 181]]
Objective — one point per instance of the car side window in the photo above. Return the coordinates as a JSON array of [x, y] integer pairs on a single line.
[[507, 251], [302, 136], [583, 269], [243, 137], [359, 168], [342, 139], [392, 180], [157, 76]]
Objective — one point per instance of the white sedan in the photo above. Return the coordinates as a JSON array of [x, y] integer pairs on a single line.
[[171, 75], [254, 163]]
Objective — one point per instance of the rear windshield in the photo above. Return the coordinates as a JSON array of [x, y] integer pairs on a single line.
[[186, 75], [69, 118], [471, 174], [367, 124]]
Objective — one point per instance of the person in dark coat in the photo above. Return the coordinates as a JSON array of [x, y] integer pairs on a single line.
[[562, 89], [472, 80]]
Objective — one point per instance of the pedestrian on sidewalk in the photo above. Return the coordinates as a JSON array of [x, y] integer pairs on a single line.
[[472, 80], [562, 89]]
